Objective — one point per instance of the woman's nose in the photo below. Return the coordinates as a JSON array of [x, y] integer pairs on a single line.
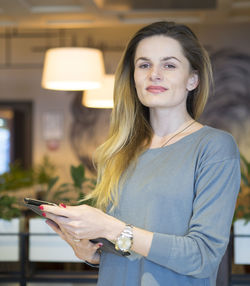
[[156, 75]]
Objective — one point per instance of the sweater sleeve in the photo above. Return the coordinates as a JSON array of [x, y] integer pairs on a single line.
[[199, 252]]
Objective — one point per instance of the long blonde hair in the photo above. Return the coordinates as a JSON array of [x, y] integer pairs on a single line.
[[130, 131]]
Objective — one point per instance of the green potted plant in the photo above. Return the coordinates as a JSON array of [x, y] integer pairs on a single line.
[[9, 223], [243, 203], [47, 247], [73, 192], [242, 217], [10, 212], [17, 181], [12, 185], [10, 182], [16, 178], [9, 208]]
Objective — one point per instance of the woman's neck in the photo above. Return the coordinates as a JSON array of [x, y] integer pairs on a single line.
[[164, 123]]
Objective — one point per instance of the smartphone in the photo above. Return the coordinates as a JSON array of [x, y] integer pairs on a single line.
[[108, 246]]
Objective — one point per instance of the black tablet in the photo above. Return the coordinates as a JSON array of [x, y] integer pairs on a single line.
[[34, 204], [108, 246]]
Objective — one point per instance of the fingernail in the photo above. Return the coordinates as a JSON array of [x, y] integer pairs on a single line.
[[100, 244], [63, 205], [44, 214], [41, 208]]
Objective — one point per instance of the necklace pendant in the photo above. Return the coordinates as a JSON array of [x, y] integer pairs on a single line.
[[178, 133]]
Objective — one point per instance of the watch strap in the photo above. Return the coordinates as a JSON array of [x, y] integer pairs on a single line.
[[128, 230]]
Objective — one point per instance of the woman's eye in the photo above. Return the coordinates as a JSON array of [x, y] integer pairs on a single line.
[[144, 66], [169, 66]]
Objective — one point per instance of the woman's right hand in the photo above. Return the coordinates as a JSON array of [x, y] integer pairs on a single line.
[[84, 249]]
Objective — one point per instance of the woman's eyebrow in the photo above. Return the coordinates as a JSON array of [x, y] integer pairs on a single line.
[[170, 58], [163, 59], [142, 59]]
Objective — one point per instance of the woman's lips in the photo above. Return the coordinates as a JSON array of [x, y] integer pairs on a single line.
[[156, 89]]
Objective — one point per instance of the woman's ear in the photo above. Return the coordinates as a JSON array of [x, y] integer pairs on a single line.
[[193, 81]]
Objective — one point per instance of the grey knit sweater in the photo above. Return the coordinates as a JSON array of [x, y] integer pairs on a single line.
[[184, 193]]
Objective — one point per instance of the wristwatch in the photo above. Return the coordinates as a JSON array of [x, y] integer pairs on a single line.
[[124, 241]]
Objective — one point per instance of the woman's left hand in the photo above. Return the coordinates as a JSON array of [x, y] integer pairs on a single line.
[[83, 249], [84, 222]]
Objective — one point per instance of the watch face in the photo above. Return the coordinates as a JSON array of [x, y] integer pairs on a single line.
[[124, 243]]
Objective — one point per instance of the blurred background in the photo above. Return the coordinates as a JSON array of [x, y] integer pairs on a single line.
[[28, 28]]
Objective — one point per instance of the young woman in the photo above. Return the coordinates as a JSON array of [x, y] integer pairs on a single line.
[[167, 185]]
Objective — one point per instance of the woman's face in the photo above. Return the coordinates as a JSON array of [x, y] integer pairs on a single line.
[[162, 74]]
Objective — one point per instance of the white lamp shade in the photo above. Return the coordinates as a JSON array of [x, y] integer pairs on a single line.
[[72, 69], [101, 97]]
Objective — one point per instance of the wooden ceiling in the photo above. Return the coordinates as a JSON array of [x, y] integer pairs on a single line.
[[100, 13]]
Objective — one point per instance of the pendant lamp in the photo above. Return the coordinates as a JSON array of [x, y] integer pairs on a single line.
[[72, 69], [101, 97]]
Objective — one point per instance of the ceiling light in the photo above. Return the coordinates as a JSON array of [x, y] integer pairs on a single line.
[[101, 97], [72, 69]]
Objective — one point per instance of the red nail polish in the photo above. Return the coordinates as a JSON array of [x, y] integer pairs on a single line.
[[63, 205], [41, 208], [44, 214], [100, 244]]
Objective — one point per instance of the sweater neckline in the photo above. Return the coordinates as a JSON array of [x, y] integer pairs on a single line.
[[182, 140]]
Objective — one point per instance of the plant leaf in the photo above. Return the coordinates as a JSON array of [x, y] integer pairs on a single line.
[[245, 180], [52, 182], [78, 175]]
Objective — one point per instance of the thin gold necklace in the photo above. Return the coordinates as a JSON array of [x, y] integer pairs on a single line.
[[165, 143]]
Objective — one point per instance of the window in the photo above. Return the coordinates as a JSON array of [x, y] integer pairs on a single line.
[[15, 134], [6, 117]]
